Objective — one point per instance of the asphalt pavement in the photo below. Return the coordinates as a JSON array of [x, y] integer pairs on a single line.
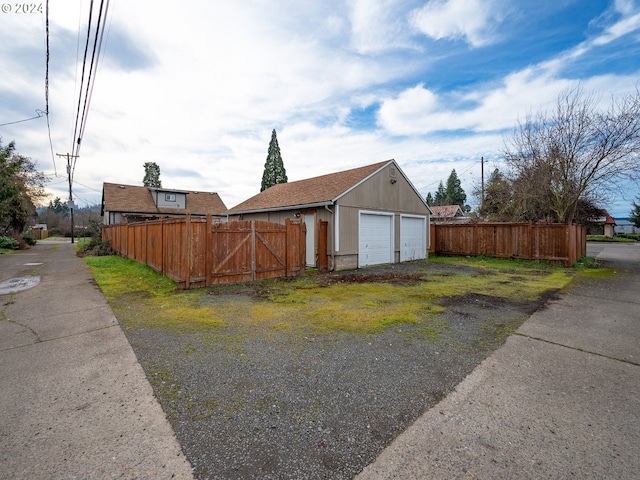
[[560, 399], [74, 401]]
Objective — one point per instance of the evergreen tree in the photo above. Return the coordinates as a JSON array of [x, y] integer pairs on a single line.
[[274, 171], [429, 199], [634, 215], [498, 199], [151, 175], [440, 197], [454, 193], [58, 206]]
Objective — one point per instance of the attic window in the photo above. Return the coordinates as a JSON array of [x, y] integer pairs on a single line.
[[169, 197]]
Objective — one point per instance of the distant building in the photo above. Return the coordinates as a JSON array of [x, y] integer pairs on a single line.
[[602, 224], [131, 203], [448, 214], [625, 226]]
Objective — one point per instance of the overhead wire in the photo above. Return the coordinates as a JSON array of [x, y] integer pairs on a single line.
[[76, 140], [464, 170], [39, 113], [97, 47], [87, 80], [46, 85]]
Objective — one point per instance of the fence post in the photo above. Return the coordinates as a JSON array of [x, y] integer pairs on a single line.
[[476, 240], [162, 244], [208, 254], [146, 242], [253, 249], [125, 243], [187, 251], [323, 259], [530, 240], [287, 244]]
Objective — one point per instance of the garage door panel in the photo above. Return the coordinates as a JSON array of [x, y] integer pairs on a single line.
[[413, 238], [375, 239]]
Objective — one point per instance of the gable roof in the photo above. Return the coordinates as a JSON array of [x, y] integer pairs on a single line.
[[135, 199], [603, 218], [447, 211], [311, 192]]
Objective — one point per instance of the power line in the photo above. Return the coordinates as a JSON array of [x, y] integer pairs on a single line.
[[84, 64], [46, 85], [90, 188], [85, 99], [39, 112], [465, 170]]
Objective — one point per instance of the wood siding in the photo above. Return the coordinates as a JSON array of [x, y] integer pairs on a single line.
[[196, 252], [377, 194], [556, 243]]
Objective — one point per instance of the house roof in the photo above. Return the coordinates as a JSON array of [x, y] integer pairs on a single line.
[[447, 211], [136, 199], [316, 191], [603, 218]]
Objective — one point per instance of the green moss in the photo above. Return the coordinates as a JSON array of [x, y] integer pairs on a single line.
[[598, 272], [142, 298]]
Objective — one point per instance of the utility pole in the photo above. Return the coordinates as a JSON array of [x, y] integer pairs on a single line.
[[69, 170], [482, 187]]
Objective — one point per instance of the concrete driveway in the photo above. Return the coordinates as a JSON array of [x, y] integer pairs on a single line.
[[561, 398], [75, 402]]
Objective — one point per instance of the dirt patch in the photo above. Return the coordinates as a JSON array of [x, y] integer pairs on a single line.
[[395, 277]]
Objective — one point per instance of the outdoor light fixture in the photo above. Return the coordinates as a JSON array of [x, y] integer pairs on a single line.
[[393, 181]]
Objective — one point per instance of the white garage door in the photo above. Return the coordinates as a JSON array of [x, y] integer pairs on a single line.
[[413, 238], [375, 238]]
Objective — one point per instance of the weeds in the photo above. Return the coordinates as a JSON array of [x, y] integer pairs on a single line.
[[361, 304]]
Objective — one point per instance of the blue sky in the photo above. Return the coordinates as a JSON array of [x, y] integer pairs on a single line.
[[198, 87]]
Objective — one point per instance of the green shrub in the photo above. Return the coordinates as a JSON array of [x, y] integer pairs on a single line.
[[94, 247], [630, 236], [9, 243], [602, 238], [29, 238]]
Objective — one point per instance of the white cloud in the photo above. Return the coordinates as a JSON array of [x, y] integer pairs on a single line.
[[378, 26], [223, 74], [410, 113], [469, 20]]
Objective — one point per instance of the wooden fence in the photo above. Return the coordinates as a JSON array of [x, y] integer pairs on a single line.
[[196, 252], [555, 243], [40, 234]]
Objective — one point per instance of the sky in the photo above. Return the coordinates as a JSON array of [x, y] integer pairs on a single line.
[[197, 87]]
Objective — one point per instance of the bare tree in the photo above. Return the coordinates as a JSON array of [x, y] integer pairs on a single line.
[[575, 152]]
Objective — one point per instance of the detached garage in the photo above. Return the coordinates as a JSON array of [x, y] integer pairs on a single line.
[[374, 215]]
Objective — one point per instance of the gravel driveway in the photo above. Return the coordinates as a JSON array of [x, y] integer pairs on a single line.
[[252, 402]]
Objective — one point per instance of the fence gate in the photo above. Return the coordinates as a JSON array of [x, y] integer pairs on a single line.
[[198, 253], [252, 250]]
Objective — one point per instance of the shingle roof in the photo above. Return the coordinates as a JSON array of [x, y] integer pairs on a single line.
[[312, 191], [447, 211], [604, 218], [135, 199]]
